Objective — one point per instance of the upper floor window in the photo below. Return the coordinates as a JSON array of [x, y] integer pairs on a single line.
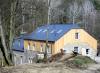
[[41, 48], [49, 49], [28, 46], [76, 35], [33, 46]]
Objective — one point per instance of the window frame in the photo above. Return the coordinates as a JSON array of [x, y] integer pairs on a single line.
[[41, 48], [87, 51], [28, 46], [49, 50], [33, 47], [75, 49], [76, 35]]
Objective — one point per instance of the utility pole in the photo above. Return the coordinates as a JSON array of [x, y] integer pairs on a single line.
[[48, 22]]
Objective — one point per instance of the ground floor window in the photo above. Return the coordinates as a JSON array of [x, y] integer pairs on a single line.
[[76, 49], [87, 51], [30, 60], [49, 50], [21, 59]]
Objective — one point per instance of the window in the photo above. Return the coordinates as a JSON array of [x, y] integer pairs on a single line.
[[28, 46], [76, 49], [41, 47], [30, 60], [21, 59], [33, 46], [49, 49], [76, 35], [87, 51]]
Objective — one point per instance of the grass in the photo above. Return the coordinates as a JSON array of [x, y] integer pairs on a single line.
[[80, 62]]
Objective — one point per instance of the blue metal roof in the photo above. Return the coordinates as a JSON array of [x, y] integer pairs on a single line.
[[55, 31]]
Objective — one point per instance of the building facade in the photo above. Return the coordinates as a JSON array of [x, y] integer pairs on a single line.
[[69, 37]]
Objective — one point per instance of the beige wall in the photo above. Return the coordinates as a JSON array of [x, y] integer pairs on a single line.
[[37, 45], [69, 37]]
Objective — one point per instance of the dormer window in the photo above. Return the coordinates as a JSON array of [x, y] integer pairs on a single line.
[[76, 35]]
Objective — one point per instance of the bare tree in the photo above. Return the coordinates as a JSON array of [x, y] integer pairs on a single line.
[[5, 51], [7, 30]]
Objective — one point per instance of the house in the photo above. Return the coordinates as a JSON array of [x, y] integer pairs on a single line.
[[69, 37]]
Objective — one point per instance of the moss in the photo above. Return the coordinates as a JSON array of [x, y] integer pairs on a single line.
[[84, 59], [80, 62]]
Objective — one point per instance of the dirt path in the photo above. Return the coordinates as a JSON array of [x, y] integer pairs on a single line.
[[50, 68]]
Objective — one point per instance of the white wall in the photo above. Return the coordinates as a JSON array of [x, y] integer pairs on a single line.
[[81, 49]]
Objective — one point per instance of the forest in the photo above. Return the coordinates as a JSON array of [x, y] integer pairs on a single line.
[[17, 15]]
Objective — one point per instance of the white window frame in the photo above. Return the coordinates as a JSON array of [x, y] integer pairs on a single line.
[[28, 48], [87, 51], [49, 50], [33, 47], [21, 59], [30, 61], [76, 35], [41, 47]]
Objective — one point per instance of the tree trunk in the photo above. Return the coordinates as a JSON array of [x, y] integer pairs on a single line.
[[5, 50]]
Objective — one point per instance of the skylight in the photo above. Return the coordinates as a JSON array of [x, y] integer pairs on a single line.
[[40, 30], [59, 31], [52, 31], [45, 30]]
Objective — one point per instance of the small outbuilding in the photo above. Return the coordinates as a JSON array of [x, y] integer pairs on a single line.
[[20, 55]]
